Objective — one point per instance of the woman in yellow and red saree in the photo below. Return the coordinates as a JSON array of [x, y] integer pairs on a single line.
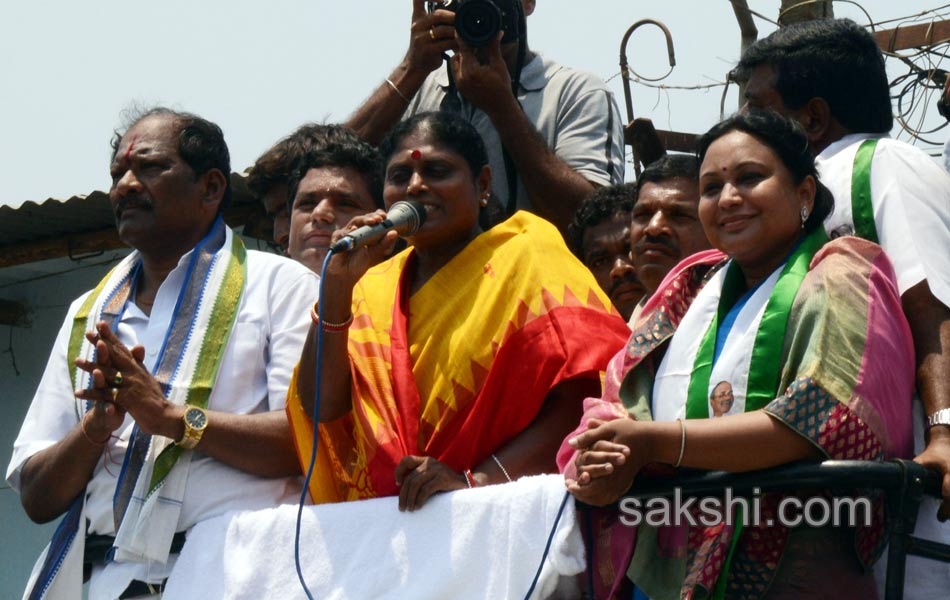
[[469, 354]]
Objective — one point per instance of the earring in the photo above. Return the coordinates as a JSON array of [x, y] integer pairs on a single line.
[[484, 201], [804, 216]]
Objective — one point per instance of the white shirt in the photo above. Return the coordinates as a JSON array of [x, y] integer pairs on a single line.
[[265, 344], [910, 198]]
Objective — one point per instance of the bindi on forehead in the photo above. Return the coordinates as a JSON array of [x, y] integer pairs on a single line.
[[128, 151], [415, 154]]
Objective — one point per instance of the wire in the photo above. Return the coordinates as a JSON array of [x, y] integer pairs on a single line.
[[701, 86], [547, 547], [917, 17], [316, 421], [722, 99], [753, 13], [919, 84], [12, 355]]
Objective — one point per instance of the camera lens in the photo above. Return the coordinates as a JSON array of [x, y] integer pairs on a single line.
[[478, 22]]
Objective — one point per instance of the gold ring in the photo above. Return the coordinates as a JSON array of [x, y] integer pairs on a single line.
[[115, 394], [432, 32], [118, 379]]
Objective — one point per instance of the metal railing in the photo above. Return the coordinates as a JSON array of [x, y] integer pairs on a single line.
[[903, 482]]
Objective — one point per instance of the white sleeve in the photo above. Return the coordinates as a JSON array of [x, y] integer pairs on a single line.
[[911, 196], [291, 297], [52, 414]]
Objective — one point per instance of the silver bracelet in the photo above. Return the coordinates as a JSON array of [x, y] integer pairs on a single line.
[[679, 460], [501, 466], [941, 417], [395, 89]]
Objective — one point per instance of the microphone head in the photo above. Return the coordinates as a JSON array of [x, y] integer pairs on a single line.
[[407, 216]]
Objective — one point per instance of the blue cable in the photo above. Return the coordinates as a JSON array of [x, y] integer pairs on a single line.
[[316, 421], [547, 547], [589, 544]]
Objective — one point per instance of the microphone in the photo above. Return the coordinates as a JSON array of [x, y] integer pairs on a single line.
[[405, 217]]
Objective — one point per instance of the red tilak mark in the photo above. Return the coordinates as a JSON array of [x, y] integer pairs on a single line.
[[128, 152], [415, 154]]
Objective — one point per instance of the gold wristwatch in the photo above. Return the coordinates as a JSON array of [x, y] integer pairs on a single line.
[[196, 421]]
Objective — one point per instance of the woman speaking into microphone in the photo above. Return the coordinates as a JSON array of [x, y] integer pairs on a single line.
[[459, 362]]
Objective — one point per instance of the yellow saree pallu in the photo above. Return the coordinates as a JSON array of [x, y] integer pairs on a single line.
[[463, 366]]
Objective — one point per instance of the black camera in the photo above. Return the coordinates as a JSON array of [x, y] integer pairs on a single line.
[[479, 21]]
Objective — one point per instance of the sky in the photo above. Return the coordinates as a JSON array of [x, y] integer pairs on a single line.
[[70, 68]]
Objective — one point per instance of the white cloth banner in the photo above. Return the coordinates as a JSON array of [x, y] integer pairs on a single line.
[[471, 544]]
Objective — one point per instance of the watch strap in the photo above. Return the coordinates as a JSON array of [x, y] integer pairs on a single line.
[[941, 417], [192, 434]]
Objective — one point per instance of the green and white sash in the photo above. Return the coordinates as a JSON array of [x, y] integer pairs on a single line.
[[862, 212], [751, 357], [857, 216]]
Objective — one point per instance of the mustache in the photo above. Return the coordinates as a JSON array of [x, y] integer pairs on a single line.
[[137, 201], [660, 241], [625, 280]]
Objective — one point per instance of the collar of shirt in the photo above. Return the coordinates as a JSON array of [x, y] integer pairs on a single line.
[[846, 141], [149, 330]]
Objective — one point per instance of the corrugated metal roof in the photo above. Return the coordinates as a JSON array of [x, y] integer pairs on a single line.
[[57, 219]]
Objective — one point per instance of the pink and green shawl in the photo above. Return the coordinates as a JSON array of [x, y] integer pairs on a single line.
[[846, 385]]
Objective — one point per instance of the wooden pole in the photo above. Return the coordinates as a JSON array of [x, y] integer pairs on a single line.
[[796, 11], [913, 36]]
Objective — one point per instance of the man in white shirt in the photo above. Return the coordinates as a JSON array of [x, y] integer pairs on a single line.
[[829, 75], [185, 354], [550, 143]]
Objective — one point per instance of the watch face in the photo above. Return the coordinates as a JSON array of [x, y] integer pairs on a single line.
[[196, 418]]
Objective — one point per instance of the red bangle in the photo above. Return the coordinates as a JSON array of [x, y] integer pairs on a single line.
[[329, 327], [469, 478]]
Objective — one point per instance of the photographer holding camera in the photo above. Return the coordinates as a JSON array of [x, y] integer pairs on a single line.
[[550, 144]]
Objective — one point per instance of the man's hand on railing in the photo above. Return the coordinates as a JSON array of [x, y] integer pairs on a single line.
[[936, 456]]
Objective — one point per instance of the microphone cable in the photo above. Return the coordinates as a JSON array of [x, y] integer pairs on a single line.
[[316, 439], [547, 547]]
